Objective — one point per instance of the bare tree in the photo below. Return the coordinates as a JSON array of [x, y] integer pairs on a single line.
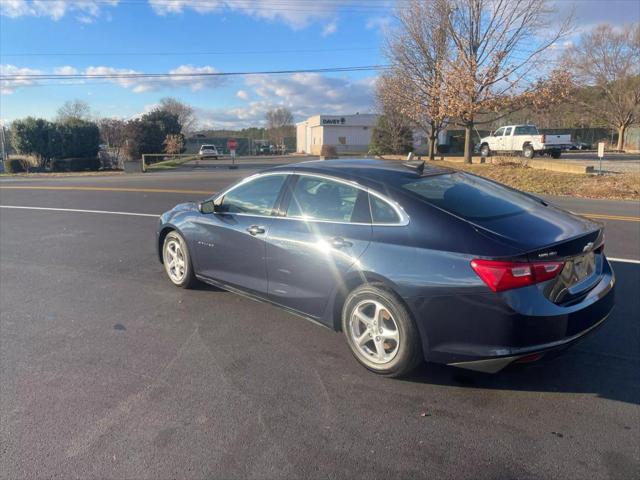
[[607, 59], [279, 124], [113, 134], [393, 130], [173, 144], [498, 47], [184, 112], [419, 50], [74, 110]]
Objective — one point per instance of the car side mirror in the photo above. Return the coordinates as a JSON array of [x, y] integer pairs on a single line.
[[206, 207]]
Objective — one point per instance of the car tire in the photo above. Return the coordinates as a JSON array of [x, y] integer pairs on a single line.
[[556, 153], [485, 151], [177, 261], [380, 331], [528, 152]]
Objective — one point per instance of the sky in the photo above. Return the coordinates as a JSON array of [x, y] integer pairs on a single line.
[[181, 36]]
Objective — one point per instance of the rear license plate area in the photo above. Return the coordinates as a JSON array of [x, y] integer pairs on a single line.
[[575, 280], [581, 267]]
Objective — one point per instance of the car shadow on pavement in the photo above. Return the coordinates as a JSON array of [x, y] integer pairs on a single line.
[[606, 363]]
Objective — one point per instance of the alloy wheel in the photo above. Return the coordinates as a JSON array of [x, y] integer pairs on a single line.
[[174, 261], [374, 332]]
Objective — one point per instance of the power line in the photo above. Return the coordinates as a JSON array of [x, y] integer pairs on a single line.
[[140, 75], [242, 52]]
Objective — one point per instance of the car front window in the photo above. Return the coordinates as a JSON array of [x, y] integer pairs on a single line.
[[256, 197]]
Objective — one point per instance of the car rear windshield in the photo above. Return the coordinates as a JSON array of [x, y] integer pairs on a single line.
[[469, 197]]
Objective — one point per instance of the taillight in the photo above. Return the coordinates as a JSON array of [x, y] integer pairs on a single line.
[[544, 138], [500, 276]]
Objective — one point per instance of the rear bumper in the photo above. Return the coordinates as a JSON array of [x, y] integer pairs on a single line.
[[487, 332], [494, 365]]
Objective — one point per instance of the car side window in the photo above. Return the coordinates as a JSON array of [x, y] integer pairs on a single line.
[[318, 198], [499, 132], [382, 212], [256, 197], [507, 132]]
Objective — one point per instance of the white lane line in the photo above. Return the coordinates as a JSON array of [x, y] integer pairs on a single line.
[[613, 259], [79, 211], [623, 260]]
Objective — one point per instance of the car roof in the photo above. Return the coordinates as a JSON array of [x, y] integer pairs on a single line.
[[366, 171]]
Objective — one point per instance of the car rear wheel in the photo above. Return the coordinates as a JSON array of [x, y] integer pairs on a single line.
[[527, 151], [177, 261], [380, 331]]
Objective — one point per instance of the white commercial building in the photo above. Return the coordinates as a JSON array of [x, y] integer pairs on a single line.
[[348, 133]]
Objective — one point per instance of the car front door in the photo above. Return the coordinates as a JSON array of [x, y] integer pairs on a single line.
[[497, 140], [326, 229], [507, 139], [230, 243]]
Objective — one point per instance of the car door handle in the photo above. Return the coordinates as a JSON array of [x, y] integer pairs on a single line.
[[339, 242], [255, 230]]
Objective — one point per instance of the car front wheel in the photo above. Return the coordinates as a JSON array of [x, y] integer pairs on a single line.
[[177, 261], [380, 331], [485, 151]]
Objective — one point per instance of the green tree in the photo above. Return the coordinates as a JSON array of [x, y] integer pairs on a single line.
[[148, 133], [36, 136], [78, 138], [391, 135]]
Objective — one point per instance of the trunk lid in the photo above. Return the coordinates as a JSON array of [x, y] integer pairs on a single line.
[[559, 237]]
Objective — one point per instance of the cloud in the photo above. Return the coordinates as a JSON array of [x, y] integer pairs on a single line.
[[8, 86], [242, 95], [141, 85], [66, 70], [295, 13], [87, 10], [378, 23], [164, 7], [304, 94], [185, 76], [329, 29]]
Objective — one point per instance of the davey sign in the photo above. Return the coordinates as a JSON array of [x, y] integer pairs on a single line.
[[334, 121]]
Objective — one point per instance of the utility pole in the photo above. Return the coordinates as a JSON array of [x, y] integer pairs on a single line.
[[3, 150]]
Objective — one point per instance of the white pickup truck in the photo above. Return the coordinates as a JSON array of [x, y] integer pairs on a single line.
[[523, 139]]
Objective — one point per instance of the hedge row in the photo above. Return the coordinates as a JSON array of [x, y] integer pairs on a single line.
[[75, 164], [14, 165]]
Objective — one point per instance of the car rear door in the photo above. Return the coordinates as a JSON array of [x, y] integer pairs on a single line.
[[325, 230], [230, 244]]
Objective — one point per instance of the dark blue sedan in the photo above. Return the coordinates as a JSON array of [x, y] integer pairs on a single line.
[[410, 262]]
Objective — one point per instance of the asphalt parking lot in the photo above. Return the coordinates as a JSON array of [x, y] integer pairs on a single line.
[[108, 371]]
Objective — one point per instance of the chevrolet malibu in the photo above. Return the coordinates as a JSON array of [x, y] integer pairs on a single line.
[[409, 262]]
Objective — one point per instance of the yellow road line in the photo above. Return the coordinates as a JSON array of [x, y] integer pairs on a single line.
[[600, 216], [109, 189]]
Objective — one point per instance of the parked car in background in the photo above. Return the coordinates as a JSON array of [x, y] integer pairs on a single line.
[[525, 140], [208, 151], [580, 146], [409, 262], [266, 150]]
